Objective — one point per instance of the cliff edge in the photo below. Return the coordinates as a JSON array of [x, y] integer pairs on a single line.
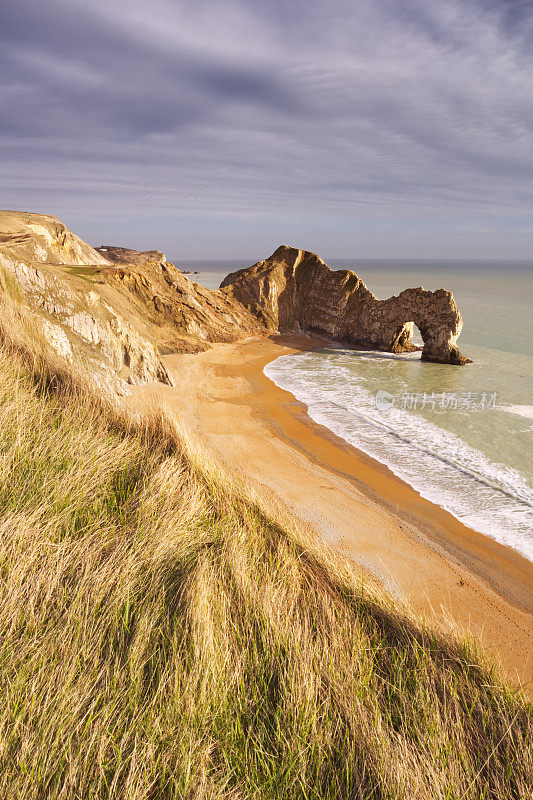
[[114, 311], [117, 310]]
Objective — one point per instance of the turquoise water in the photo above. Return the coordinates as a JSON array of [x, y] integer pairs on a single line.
[[461, 436]]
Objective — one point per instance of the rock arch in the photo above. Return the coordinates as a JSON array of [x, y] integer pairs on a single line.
[[295, 290]]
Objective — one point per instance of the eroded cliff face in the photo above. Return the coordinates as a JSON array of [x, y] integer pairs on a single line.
[[42, 238], [116, 319], [177, 313], [296, 290], [118, 314]]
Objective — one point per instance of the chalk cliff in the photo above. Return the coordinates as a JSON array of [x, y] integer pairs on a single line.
[[296, 290]]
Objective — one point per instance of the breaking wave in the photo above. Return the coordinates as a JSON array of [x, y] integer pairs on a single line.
[[492, 498]]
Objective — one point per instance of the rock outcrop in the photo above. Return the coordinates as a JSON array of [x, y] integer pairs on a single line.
[[74, 319], [116, 315], [44, 239], [116, 311], [177, 313], [295, 290], [123, 255]]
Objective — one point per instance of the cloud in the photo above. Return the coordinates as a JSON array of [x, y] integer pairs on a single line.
[[374, 109]]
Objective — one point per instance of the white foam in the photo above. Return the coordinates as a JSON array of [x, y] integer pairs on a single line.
[[521, 411], [492, 498]]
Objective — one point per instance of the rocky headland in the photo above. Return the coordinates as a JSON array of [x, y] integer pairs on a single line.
[[114, 310], [295, 290], [117, 310], [123, 255]]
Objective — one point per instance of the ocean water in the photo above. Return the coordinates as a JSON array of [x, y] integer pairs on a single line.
[[461, 436], [211, 273]]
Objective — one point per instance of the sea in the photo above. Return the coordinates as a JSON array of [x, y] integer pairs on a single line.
[[461, 436]]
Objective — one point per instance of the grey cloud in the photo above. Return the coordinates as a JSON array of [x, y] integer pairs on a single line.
[[375, 108], [130, 85]]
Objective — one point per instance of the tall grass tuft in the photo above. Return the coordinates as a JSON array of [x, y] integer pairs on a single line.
[[162, 637]]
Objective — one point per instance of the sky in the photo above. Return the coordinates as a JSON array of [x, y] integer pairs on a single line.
[[223, 128]]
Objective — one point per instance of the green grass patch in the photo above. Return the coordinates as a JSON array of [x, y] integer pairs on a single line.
[[85, 272]]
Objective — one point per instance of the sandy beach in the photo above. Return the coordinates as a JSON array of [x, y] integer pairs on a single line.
[[260, 435]]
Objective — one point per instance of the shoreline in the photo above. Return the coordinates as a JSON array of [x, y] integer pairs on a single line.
[[421, 511], [414, 548]]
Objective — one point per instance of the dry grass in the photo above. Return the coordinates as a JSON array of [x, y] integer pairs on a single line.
[[161, 637]]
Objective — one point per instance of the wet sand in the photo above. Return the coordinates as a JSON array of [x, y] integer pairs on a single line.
[[420, 553]]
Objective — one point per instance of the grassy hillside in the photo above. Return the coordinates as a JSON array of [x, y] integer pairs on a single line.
[[161, 637]]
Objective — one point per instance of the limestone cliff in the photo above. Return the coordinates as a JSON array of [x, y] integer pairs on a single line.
[[44, 239], [116, 310], [296, 290], [113, 318], [175, 312]]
